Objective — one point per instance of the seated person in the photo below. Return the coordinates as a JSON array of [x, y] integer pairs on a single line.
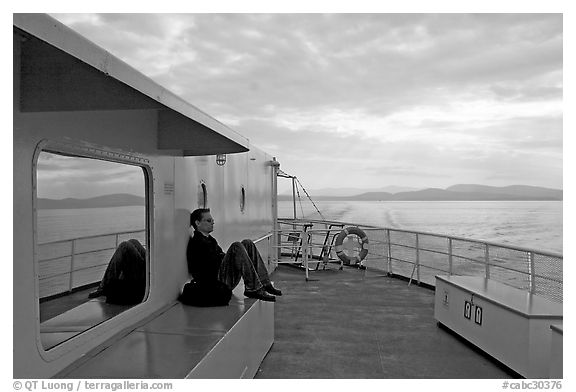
[[124, 282], [210, 266]]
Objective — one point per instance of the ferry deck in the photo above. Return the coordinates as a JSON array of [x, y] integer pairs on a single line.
[[339, 321], [353, 323], [349, 323]]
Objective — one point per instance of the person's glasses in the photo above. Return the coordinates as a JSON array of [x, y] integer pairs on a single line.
[[209, 220]]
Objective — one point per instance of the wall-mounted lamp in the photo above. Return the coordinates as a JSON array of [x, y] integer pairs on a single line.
[[221, 159]]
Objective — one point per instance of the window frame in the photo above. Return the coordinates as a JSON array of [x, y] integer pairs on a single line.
[[103, 154], [242, 199]]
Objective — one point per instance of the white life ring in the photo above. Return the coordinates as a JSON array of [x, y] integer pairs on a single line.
[[340, 249]]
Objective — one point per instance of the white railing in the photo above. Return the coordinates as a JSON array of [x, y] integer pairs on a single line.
[[416, 256], [266, 253], [420, 256], [68, 264]]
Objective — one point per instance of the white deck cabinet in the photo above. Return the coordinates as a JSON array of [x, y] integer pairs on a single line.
[[510, 324]]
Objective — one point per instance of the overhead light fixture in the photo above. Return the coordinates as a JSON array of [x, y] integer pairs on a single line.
[[221, 159]]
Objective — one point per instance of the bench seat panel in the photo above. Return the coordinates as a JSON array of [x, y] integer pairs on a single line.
[[189, 342]]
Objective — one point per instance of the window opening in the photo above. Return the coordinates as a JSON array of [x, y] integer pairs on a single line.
[[91, 241]]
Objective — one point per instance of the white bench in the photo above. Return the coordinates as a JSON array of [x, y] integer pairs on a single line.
[[556, 351], [510, 324], [188, 342]]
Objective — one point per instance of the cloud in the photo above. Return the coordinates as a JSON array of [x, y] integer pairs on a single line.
[[315, 61], [527, 93], [327, 90], [353, 160], [60, 176]]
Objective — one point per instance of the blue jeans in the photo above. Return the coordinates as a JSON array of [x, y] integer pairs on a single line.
[[243, 260], [125, 276]]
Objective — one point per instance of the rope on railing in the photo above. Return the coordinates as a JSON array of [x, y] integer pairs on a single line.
[[309, 198], [299, 199]]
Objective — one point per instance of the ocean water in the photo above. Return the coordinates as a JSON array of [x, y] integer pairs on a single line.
[[530, 224], [57, 225]]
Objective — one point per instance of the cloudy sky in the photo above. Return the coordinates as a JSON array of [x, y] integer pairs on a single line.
[[365, 100], [60, 177]]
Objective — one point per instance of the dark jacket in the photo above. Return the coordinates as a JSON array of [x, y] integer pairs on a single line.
[[204, 257]]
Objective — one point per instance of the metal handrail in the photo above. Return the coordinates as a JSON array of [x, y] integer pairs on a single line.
[[482, 255], [485, 254], [267, 236], [478, 241], [116, 233], [73, 254], [270, 238]]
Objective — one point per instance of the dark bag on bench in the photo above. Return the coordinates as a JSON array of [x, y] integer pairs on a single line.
[[213, 294]]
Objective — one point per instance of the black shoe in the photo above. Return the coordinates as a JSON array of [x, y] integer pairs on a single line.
[[260, 294], [272, 290], [96, 294]]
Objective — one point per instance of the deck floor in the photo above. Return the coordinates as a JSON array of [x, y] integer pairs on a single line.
[[355, 324], [58, 305]]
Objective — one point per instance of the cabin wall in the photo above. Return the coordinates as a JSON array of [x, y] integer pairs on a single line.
[[224, 188], [175, 185]]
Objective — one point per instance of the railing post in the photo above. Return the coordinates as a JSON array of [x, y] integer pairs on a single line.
[[417, 259], [532, 271], [267, 250], [277, 244], [276, 240], [487, 261], [294, 195], [449, 256], [389, 255], [70, 284], [305, 250], [271, 246]]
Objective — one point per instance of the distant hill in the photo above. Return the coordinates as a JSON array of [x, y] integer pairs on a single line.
[[345, 192], [493, 194], [516, 190], [115, 200], [463, 192]]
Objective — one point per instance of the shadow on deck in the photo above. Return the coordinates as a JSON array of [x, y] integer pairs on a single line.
[[355, 324]]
